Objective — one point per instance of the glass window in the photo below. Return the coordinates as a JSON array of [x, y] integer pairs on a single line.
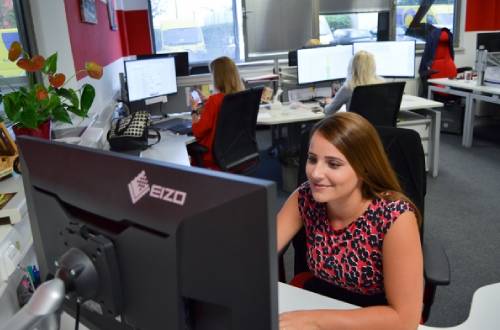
[[8, 34], [440, 13], [348, 28], [206, 29]]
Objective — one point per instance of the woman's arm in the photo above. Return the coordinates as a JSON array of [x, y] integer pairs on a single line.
[[204, 119], [288, 220], [341, 97], [403, 281]]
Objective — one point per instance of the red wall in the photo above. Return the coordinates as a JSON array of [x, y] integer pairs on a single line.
[[482, 15], [91, 42], [98, 43]]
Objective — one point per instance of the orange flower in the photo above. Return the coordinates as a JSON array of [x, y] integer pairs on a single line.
[[41, 93], [57, 80], [15, 51], [94, 70], [33, 65]]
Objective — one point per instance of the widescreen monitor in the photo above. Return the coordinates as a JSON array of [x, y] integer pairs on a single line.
[[149, 78], [181, 61], [392, 58], [490, 41], [175, 247], [323, 63]]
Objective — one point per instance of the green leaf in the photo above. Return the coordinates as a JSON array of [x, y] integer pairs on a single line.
[[50, 66], [68, 94], [28, 117], [60, 114], [12, 106], [88, 95]]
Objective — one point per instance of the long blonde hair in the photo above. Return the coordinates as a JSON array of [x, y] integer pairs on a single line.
[[362, 70], [360, 143], [226, 76]]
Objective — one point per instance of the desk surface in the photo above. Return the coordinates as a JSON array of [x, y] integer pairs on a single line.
[[286, 115], [465, 84], [171, 148]]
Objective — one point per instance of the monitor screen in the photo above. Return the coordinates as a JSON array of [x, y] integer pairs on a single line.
[[392, 58], [174, 247], [490, 41], [181, 61], [323, 63], [150, 77]]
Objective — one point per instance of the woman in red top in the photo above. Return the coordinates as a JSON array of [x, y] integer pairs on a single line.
[[226, 80], [362, 233]]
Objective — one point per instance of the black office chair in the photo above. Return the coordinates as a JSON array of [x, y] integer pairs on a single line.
[[406, 155], [379, 103], [235, 145]]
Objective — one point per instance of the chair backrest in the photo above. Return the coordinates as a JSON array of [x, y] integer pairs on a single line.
[[379, 103], [235, 145]]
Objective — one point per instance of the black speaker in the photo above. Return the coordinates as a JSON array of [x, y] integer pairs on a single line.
[[292, 58], [383, 26]]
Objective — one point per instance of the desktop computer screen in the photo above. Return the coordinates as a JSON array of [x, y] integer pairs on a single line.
[[392, 58], [181, 60], [148, 78], [323, 63], [174, 247]]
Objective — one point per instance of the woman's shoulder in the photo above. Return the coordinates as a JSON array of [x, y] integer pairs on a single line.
[[393, 205]]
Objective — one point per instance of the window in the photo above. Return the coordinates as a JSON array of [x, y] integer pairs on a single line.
[[206, 29], [349, 28], [440, 13], [8, 34]]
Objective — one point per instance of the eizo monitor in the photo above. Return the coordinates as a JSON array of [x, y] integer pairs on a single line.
[[395, 59], [323, 63], [173, 247], [181, 60], [149, 78]]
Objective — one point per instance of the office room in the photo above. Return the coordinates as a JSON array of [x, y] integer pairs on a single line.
[[461, 149]]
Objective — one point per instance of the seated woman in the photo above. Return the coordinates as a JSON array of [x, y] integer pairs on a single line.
[[361, 71], [226, 80], [362, 233]]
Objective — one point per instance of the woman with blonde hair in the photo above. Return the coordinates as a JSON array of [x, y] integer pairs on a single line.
[[362, 232], [226, 80], [361, 71]]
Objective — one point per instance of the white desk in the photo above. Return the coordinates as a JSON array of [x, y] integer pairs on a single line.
[[171, 148], [304, 113], [483, 313], [471, 92]]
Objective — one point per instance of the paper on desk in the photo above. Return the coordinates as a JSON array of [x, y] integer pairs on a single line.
[[263, 115]]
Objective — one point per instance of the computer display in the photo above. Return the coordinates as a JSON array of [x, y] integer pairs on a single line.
[[392, 58], [490, 41], [175, 247], [181, 61], [150, 77], [323, 63]]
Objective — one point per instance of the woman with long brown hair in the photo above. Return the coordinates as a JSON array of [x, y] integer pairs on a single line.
[[362, 232], [226, 80]]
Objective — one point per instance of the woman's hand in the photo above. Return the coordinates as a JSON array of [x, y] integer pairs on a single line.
[[298, 320]]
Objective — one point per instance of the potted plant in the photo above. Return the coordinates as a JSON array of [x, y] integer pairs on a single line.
[[32, 108]]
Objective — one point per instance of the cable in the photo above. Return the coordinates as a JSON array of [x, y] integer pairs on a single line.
[[77, 317]]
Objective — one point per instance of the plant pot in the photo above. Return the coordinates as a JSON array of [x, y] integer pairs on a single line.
[[43, 131]]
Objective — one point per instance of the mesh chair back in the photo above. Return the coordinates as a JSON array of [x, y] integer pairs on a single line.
[[235, 145], [379, 103]]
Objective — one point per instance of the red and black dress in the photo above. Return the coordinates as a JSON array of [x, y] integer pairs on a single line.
[[347, 263]]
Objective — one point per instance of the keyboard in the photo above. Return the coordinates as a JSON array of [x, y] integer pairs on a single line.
[[176, 125]]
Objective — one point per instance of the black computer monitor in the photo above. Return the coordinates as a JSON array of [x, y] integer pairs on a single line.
[[490, 41], [395, 59], [181, 61], [149, 78], [175, 247], [323, 63]]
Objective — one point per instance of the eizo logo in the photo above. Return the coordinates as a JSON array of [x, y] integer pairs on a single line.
[[139, 187]]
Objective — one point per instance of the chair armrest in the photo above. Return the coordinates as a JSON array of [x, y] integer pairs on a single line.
[[196, 151], [436, 264]]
